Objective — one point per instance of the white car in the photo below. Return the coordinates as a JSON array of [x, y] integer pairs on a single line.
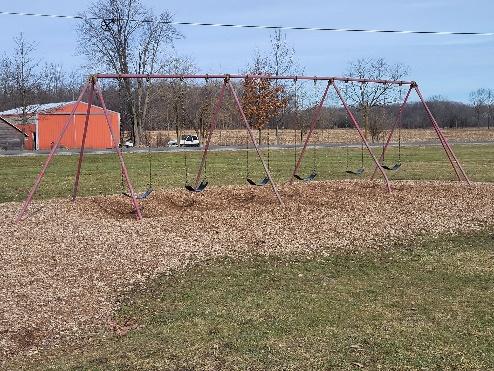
[[127, 144], [189, 141], [172, 143]]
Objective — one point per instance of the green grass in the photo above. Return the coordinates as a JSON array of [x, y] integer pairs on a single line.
[[423, 306], [101, 173]]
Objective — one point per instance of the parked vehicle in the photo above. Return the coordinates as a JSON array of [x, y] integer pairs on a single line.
[[189, 141], [127, 144]]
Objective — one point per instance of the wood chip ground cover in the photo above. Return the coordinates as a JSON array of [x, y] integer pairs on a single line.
[[66, 264]]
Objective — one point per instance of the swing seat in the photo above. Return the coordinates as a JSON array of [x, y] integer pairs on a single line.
[[392, 168], [140, 196], [358, 172], [202, 186], [308, 178], [261, 183]]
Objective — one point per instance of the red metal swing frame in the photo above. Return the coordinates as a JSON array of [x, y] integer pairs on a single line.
[[455, 163], [92, 88]]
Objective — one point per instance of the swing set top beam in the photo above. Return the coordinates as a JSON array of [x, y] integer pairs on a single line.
[[239, 77]]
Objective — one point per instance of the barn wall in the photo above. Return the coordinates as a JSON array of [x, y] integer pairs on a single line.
[[98, 136], [10, 138], [29, 130]]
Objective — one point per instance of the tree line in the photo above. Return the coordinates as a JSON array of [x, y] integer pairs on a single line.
[[124, 36]]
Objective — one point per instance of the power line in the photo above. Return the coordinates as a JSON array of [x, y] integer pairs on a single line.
[[295, 28]]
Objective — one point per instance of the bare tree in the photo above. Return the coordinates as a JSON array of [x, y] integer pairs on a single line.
[[490, 107], [281, 57], [130, 39], [483, 101], [20, 76], [365, 96], [478, 98], [56, 85]]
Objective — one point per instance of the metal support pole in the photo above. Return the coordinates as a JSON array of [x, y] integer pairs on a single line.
[[50, 157], [447, 148], [212, 127], [84, 135], [396, 123], [119, 152], [362, 136], [315, 118], [251, 134]]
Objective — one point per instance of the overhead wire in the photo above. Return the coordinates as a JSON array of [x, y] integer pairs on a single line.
[[253, 26]]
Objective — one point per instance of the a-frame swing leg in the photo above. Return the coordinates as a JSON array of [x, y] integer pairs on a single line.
[[315, 118], [83, 144], [212, 127], [252, 138], [460, 173], [92, 84], [41, 174], [396, 123], [362, 136], [133, 196]]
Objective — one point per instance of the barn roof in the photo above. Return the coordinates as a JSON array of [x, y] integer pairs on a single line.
[[40, 108], [36, 108], [13, 126]]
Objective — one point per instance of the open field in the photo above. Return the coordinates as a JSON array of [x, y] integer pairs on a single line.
[[287, 136], [101, 174]]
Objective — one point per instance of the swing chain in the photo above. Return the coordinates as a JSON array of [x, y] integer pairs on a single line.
[[296, 119], [314, 141]]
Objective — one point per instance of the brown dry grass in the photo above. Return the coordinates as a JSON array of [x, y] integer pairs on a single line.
[[65, 266], [338, 136]]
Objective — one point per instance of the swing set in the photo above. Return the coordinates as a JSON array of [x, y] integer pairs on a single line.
[[380, 166], [93, 90]]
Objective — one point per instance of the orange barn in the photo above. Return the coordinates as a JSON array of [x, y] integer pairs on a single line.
[[45, 122]]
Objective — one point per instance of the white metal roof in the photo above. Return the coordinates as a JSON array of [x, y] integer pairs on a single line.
[[36, 108], [40, 108]]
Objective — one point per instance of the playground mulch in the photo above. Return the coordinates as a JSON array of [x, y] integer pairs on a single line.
[[66, 265]]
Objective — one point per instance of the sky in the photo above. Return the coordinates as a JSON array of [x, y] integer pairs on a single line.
[[449, 66]]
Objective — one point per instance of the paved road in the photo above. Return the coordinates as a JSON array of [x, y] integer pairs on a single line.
[[228, 148]]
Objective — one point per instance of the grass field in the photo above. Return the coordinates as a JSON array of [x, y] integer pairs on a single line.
[[101, 175], [419, 306]]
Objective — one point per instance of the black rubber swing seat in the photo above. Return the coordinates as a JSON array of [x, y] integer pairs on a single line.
[[392, 168], [308, 178], [140, 196], [261, 183], [202, 186], [359, 171]]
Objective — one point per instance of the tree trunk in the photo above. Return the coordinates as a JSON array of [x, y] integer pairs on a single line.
[[366, 121], [136, 132]]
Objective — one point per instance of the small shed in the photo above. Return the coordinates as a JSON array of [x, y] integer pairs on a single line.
[[11, 138], [44, 123]]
